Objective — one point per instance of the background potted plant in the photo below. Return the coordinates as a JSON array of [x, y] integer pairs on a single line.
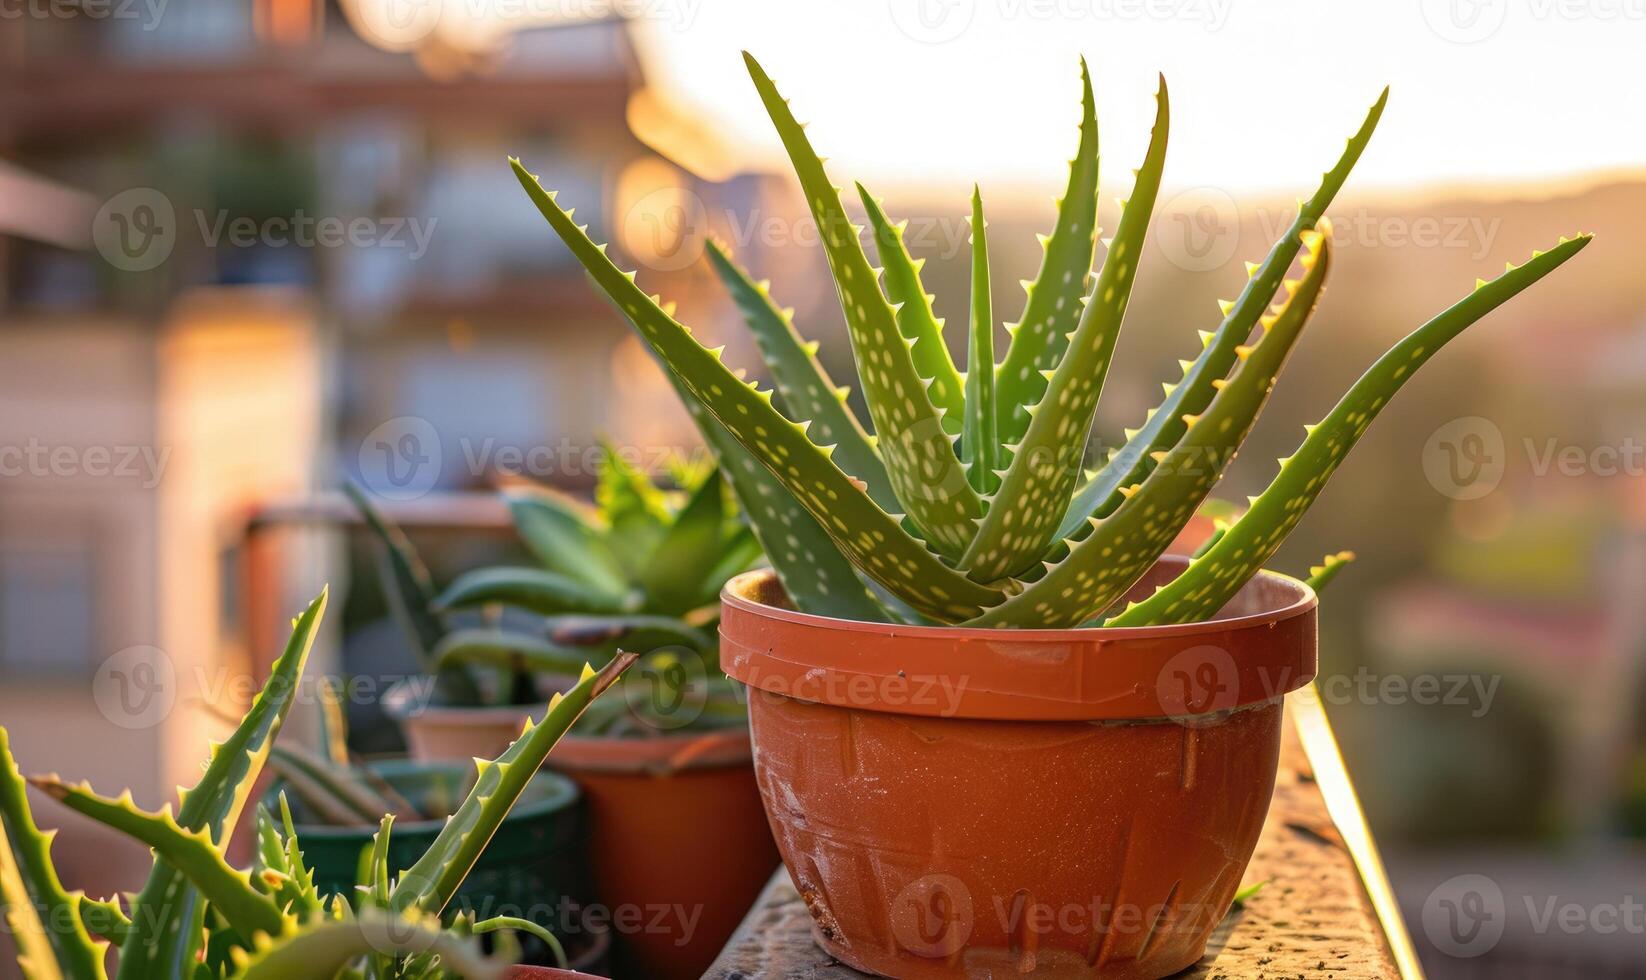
[[675, 819], [929, 831], [198, 916]]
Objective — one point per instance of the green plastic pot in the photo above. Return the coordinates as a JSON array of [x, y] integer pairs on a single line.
[[533, 866]]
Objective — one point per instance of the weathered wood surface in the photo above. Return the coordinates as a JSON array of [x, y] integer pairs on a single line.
[[1312, 919]]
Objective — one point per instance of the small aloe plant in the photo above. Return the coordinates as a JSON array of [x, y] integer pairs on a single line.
[[641, 570], [965, 498], [202, 918]]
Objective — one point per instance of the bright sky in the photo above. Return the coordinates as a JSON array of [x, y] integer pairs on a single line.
[[1263, 91]]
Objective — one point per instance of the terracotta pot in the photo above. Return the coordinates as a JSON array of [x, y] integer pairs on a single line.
[[1066, 803], [678, 842]]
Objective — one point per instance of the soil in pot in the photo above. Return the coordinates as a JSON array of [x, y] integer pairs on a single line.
[[533, 866], [1066, 803]]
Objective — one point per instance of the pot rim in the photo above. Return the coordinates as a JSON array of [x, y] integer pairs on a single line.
[[1195, 673], [567, 794], [1305, 601], [656, 755]]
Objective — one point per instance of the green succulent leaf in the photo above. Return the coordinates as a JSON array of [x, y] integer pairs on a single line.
[[31, 888], [324, 786], [1215, 577], [673, 578], [921, 327], [105, 918], [1052, 307], [194, 852], [636, 512], [911, 435], [806, 388], [980, 441], [872, 539], [1101, 568], [638, 633], [528, 588], [527, 926], [562, 534], [739, 553], [325, 949], [429, 884], [513, 650], [814, 572], [1321, 575], [1164, 425], [1024, 513], [167, 914]]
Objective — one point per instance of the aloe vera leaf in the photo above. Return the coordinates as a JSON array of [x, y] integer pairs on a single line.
[[1052, 306], [673, 578], [322, 949], [296, 867], [327, 805], [1102, 567], [433, 879], [1214, 578], [512, 650], [194, 852], [979, 439], [815, 573], [497, 922], [911, 434], [529, 588], [868, 536], [1321, 575], [921, 326], [637, 632], [636, 512], [334, 728], [1024, 513], [36, 959], [379, 881], [105, 918], [340, 783], [562, 535], [27, 851], [168, 912], [296, 894], [1164, 425], [806, 388]]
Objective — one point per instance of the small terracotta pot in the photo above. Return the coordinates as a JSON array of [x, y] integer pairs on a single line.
[[678, 842], [969, 802]]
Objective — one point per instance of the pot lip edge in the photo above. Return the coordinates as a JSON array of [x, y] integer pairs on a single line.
[[1306, 602]]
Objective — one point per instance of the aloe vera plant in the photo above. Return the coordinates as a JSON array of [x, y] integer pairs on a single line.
[[641, 570], [211, 919], [964, 499]]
